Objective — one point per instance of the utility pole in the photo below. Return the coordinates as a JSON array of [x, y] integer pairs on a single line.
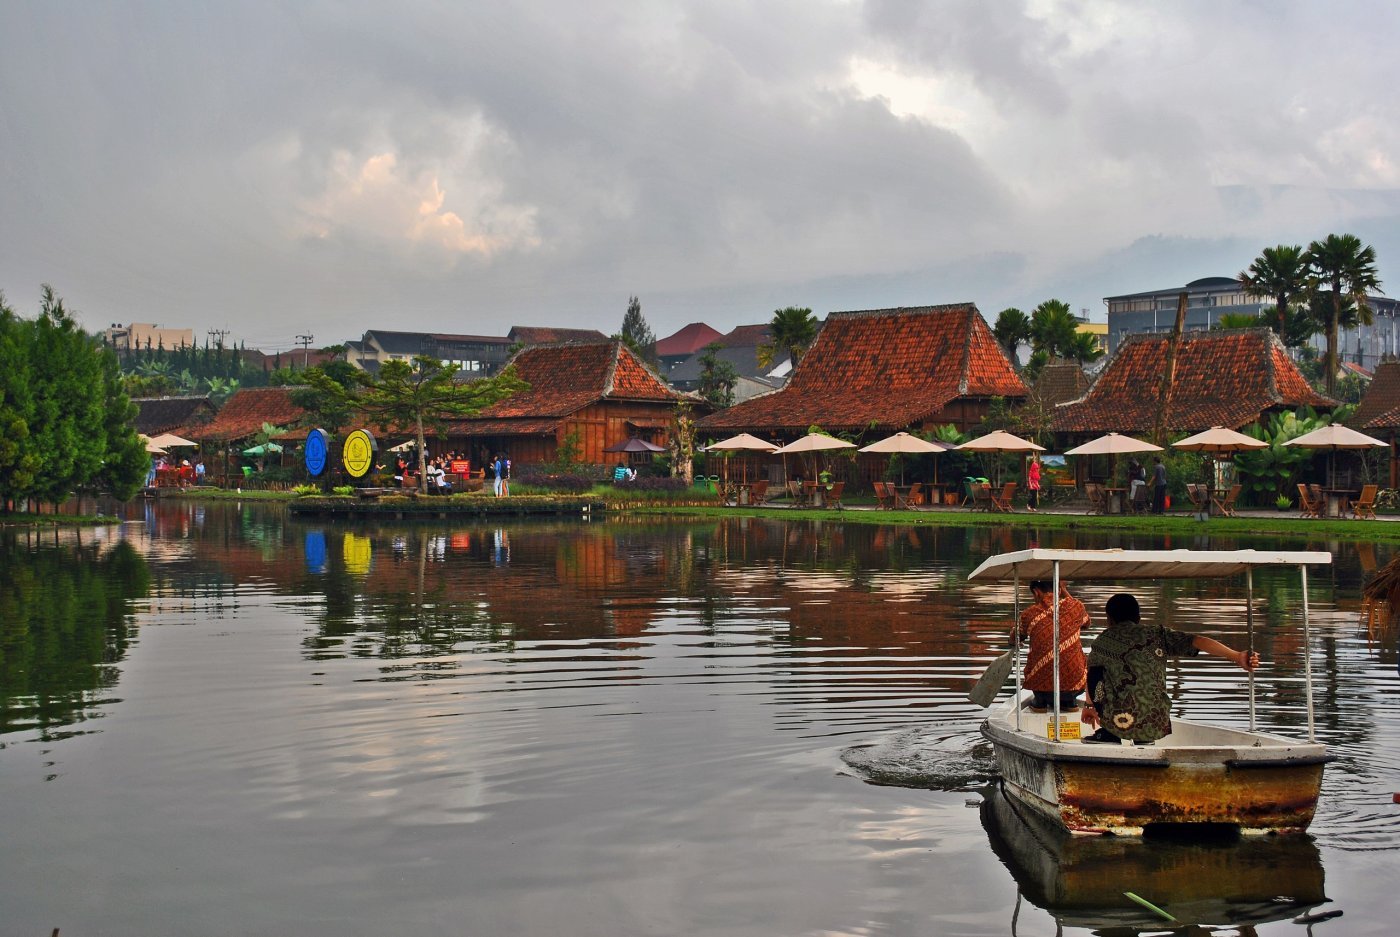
[[305, 342], [218, 336], [1164, 399]]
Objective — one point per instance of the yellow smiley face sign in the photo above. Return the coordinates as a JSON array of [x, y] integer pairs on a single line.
[[358, 453]]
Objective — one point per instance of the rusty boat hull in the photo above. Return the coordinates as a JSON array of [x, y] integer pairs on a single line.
[[1200, 774]]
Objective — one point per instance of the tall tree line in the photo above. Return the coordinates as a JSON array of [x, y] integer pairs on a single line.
[[66, 424]]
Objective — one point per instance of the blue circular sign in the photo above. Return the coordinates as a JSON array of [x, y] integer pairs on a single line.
[[317, 443]]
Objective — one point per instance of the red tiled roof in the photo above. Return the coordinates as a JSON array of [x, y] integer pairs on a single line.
[[546, 427], [1223, 378], [247, 410], [1060, 382], [547, 335], [891, 367], [566, 378], [746, 336], [688, 340], [1380, 405]]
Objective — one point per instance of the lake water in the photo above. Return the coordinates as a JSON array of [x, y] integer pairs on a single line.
[[217, 719]]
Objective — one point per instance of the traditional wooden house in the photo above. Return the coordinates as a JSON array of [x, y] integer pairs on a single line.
[[585, 396], [240, 419], [178, 415], [884, 370], [1378, 413], [1228, 378]]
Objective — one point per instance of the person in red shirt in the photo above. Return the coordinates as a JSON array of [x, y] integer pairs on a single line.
[[1037, 623]]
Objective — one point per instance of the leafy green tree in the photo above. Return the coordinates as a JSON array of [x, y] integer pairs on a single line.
[[1012, 330], [1269, 472], [125, 460], [1281, 274], [19, 461], [425, 395], [717, 377], [793, 329], [1236, 320], [1053, 328], [1348, 269], [637, 335], [1084, 348], [326, 394]]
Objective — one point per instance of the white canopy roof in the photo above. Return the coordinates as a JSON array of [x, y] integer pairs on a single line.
[[1137, 564]]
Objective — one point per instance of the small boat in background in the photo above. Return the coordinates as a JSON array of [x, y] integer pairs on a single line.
[[1199, 773]]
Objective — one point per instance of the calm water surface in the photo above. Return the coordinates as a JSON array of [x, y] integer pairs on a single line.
[[220, 720]]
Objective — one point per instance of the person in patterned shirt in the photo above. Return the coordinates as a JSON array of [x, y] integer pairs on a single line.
[[1037, 623], [1128, 674]]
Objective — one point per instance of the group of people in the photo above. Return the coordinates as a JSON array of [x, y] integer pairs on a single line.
[[184, 472], [1137, 477], [439, 471], [1124, 672]]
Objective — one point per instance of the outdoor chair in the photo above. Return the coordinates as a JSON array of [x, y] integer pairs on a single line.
[[1141, 501], [1365, 506], [883, 499], [1002, 501], [758, 492], [913, 497], [1307, 504], [969, 490], [1227, 506], [982, 497], [1098, 501], [833, 496], [1198, 495]]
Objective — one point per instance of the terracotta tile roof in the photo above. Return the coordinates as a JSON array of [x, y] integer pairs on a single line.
[[1223, 378], [156, 415], [566, 378], [746, 336], [545, 335], [687, 341], [1380, 405], [545, 427], [1060, 382], [247, 410], [891, 367]]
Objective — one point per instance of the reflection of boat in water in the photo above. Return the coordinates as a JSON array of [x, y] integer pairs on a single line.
[[1198, 774], [1222, 880]]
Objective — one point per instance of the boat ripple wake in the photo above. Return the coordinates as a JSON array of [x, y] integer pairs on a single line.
[[942, 758]]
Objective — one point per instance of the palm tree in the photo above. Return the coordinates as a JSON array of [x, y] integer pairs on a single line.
[[1053, 327], [1348, 268], [1013, 329], [1236, 320], [1278, 273], [1085, 348], [793, 330]]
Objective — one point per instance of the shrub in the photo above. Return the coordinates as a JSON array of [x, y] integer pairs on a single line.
[[564, 481], [344, 491], [651, 483], [302, 490]]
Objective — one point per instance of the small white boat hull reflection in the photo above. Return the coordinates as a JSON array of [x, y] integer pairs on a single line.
[[1220, 880], [1199, 774]]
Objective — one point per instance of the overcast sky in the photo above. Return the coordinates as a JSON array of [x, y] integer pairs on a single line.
[[466, 166]]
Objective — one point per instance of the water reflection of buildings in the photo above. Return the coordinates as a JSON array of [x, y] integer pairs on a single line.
[[1231, 881]]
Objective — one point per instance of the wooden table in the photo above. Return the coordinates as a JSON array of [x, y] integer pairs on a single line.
[[1338, 501], [901, 496], [1115, 499]]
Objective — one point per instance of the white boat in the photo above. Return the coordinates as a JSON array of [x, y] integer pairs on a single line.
[[1200, 773]]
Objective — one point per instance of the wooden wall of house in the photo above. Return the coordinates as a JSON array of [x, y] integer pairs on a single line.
[[604, 423]]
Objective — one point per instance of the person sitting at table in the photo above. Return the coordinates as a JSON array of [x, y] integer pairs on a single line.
[[1128, 674], [1137, 477], [1038, 623], [619, 473]]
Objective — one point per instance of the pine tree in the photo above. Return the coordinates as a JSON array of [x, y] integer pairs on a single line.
[[635, 331]]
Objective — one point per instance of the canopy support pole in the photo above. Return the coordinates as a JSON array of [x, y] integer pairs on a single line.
[[1249, 624], [1307, 653], [1016, 636], [1055, 645]]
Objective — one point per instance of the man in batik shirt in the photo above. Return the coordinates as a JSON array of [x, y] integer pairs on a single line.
[[1037, 623]]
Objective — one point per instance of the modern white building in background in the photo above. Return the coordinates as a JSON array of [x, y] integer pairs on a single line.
[[1209, 298]]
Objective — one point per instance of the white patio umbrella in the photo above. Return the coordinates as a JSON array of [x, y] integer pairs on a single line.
[[1113, 444], [1000, 441], [814, 442], [151, 446], [171, 441], [744, 442], [1332, 438], [1219, 439], [904, 443]]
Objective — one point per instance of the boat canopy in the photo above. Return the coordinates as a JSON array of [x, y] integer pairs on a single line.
[[1080, 565]]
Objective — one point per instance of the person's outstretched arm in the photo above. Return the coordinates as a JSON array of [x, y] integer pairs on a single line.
[[1247, 660]]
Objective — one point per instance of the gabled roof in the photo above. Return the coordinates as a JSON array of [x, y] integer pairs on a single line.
[[247, 410], [1380, 405], [1060, 382], [746, 336], [1223, 378], [687, 341], [743, 357], [890, 367], [546, 335], [566, 378], [156, 415], [417, 343]]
